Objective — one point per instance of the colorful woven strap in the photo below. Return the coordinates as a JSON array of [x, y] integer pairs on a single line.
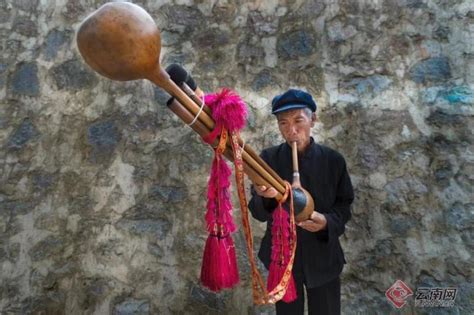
[[280, 290], [260, 293], [258, 285]]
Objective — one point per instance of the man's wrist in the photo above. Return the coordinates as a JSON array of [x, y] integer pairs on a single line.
[[319, 218], [325, 222]]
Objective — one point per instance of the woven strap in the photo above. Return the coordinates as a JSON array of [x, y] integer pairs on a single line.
[[258, 285], [260, 293], [280, 290], [222, 141]]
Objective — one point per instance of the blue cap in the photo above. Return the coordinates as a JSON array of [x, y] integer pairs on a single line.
[[292, 99]]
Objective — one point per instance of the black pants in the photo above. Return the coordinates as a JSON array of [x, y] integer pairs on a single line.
[[323, 300]]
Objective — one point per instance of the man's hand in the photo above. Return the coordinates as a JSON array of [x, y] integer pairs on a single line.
[[315, 223], [267, 192]]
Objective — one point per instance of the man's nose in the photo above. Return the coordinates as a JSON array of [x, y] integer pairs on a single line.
[[293, 129]]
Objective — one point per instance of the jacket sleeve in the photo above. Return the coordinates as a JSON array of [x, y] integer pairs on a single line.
[[341, 210], [260, 207]]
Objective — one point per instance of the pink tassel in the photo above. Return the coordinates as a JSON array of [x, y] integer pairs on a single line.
[[281, 253], [274, 276], [228, 109], [290, 294], [233, 274], [219, 265], [207, 275]]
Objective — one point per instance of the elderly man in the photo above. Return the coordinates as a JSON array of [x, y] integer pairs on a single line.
[[319, 258]]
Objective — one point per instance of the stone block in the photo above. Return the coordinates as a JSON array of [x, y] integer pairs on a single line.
[[156, 228], [25, 26], [24, 80], [54, 41], [436, 69], [132, 307], [50, 247], [73, 75], [295, 44], [23, 134], [169, 193], [209, 299], [459, 216], [3, 68], [103, 136]]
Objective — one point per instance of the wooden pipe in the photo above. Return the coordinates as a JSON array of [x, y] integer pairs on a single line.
[[247, 149], [296, 171], [202, 130], [302, 201], [120, 41]]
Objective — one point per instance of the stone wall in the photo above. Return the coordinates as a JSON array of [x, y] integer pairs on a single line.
[[102, 188]]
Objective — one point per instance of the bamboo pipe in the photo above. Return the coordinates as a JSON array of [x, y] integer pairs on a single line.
[[120, 40], [202, 130], [180, 111], [303, 201], [247, 148], [296, 172], [274, 181]]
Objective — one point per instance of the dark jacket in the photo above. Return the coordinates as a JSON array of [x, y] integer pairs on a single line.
[[323, 174]]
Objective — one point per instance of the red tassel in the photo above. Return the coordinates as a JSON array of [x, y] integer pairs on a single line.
[[233, 274], [290, 294], [219, 266], [274, 276], [281, 253], [207, 275]]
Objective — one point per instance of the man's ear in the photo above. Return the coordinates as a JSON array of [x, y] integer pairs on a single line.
[[314, 119]]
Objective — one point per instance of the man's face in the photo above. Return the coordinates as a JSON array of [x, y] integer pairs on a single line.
[[295, 125]]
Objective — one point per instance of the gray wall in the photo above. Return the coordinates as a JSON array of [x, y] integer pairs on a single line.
[[102, 188]]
